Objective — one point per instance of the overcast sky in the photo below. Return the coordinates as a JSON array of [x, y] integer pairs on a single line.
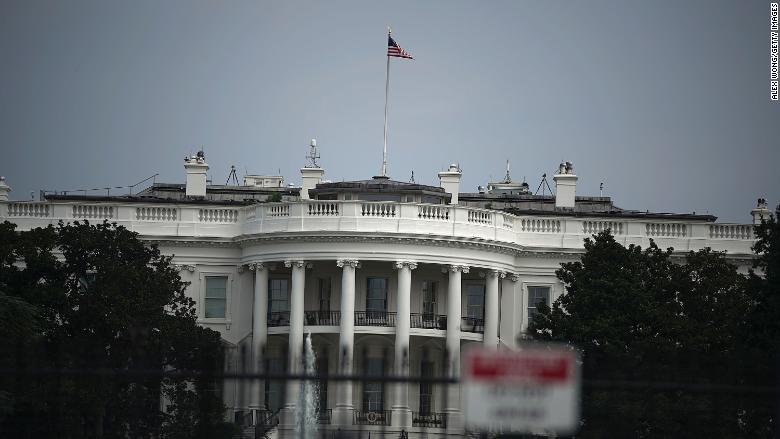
[[666, 102]]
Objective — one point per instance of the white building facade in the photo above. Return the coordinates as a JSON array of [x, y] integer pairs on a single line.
[[390, 279]]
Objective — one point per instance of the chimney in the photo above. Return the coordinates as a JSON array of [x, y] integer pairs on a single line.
[[565, 186], [311, 174], [4, 189], [196, 168], [761, 212], [449, 180]]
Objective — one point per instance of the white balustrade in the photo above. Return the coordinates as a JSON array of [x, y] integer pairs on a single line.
[[540, 225], [384, 217], [508, 221], [666, 230], [218, 215], [276, 210], [162, 214], [731, 231], [595, 227], [93, 211], [381, 210], [433, 212], [323, 208], [480, 217], [31, 210]]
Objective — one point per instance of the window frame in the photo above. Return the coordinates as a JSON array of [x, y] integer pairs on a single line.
[[426, 371], [321, 282], [528, 306], [373, 387], [215, 272], [271, 300], [482, 285], [386, 294], [425, 289]]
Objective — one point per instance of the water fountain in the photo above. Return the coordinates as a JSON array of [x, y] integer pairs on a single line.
[[307, 409]]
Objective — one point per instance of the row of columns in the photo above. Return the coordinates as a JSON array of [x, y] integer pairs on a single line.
[[342, 412]]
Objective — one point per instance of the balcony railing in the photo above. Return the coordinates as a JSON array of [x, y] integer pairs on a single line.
[[430, 419], [266, 418], [322, 318], [428, 321], [325, 416], [473, 324], [279, 318], [376, 417], [374, 318]]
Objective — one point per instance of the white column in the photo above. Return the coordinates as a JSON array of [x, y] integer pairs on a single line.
[[259, 332], [342, 413], [296, 329], [491, 308], [452, 404], [509, 323], [401, 411]]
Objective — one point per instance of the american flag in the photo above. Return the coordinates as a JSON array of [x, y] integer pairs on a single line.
[[393, 49]]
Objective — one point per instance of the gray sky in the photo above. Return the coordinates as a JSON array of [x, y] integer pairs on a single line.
[[667, 102]]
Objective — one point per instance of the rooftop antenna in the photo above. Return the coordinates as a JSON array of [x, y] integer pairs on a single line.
[[542, 185], [601, 189], [313, 155], [411, 180], [507, 179], [232, 175]]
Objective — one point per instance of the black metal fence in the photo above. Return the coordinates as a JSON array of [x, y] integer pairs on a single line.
[[426, 411]]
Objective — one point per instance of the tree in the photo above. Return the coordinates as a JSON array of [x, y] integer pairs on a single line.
[[645, 316], [109, 315], [761, 330]]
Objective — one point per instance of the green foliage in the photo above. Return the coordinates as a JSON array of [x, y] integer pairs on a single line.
[[274, 198], [649, 316], [81, 298]]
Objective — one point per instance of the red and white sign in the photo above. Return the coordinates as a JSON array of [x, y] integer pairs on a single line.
[[533, 390]]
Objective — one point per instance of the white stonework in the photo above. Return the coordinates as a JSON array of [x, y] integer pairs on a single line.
[[317, 266]]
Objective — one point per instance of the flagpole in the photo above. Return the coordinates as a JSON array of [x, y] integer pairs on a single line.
[[387, 92]]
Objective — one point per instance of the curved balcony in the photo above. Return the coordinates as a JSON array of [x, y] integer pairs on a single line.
[[322, 318], [428, 321], [429, 419], [278, 319], [374, 318], [373, 417], [472, 324]]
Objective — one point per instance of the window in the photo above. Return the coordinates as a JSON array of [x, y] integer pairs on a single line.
[[426, 388], [322, 371], [216, 297], [537, 295], [273, 388], [376, 294], [475, 301], [429, 298], [278, 295], [373, 391], [324, 286]]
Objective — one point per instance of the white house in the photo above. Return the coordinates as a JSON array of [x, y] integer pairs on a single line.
[[389, 277]]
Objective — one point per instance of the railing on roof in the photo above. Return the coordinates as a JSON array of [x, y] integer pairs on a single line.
[[442, 221], [99, 190]]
